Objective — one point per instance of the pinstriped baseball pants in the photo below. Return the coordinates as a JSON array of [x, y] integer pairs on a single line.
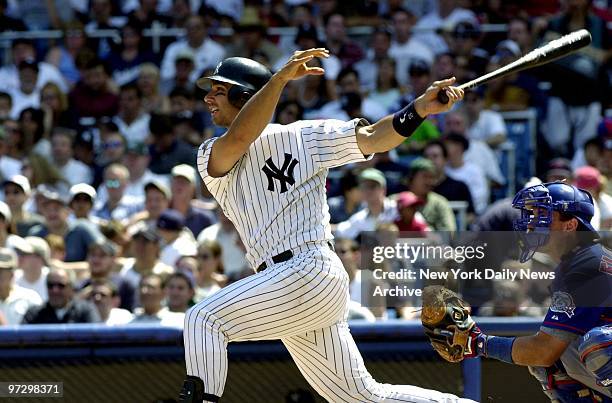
[[302, 302]]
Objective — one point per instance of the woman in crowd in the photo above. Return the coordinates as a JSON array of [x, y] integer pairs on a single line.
[[210, 278]]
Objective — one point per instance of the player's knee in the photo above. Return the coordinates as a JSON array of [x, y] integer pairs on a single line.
[[596, 354]]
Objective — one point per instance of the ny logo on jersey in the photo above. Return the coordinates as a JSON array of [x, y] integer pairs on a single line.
[[284, 175]]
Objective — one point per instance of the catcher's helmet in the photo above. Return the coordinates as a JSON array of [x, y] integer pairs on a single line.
[[546, 198], [246, 76]]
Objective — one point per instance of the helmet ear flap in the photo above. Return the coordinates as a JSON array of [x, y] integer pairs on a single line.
[[238, 95]]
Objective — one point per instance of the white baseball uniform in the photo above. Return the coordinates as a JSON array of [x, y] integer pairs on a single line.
[[275, 196]]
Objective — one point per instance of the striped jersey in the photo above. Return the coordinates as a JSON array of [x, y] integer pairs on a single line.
[[275, 194]]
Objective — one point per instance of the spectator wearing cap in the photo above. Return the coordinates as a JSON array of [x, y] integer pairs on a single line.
[[77, 235], [207, 53], [435, 209], [167, 151], [307, 37], [233, 258], [157, 200], [34, 266], [17, 194], [177, 239], [82, 198], [105, 297], [145, 250], [451, 189], [184, 65], [183, 187], [447, 14], [118, 206], [368, 66], [62, 306], [478, 152], [590, 179], [73, 171], [151, 294], [101, 262], [559, 169], [14, 299], [483, 124], [132, 120], [379, 208], [349, 202], [210, 276], [464, 41], [179, 289], [251, 41], [409, 219], [25, 95], [21, 50], [466, 171], [405, 47]]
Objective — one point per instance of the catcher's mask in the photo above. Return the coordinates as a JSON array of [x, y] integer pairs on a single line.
[[537, 204]]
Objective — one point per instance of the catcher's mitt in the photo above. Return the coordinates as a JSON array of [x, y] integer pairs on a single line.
[[447, 321]]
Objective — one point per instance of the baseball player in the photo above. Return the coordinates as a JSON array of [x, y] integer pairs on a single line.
[[269, 179], [571, 355]]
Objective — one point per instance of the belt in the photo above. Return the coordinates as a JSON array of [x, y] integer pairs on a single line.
[[283, 257]]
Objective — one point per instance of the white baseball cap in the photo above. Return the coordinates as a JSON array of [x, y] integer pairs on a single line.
[[83, 188], [186, 171], [20, 181]]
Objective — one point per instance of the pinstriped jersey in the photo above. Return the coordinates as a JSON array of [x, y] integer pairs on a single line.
[[275, 194]]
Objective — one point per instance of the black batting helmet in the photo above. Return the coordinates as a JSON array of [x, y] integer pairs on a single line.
[[246, 76]]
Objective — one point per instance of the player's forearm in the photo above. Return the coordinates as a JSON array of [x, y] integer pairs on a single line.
[[255, 115], [536, 350], [390, 131]]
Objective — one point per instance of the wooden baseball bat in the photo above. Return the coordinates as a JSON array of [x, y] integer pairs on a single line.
[[553, 50]]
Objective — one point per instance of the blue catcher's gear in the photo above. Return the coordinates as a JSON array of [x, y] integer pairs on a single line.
[[596, 354], [537, 204]]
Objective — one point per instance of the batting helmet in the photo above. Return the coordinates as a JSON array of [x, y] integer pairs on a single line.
[[546, 198], [596, 354], [246, 76]]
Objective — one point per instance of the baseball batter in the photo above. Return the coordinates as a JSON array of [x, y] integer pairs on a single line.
[[270, 181]]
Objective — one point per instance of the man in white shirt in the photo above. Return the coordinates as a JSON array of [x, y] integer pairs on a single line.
[[73, 171], [14, 300], [104, 296], [379, 209], [21, 50], [485, 125], [466, 171], [34, 270], [207, 53], [177, 239], [131, 120], [25, 95], [405, 47]]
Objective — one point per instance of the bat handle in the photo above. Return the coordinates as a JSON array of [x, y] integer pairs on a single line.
[[442, 97]]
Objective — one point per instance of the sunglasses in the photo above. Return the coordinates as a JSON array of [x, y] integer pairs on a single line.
[[112, 144], [205, 256], [113, 183], [57, 285]]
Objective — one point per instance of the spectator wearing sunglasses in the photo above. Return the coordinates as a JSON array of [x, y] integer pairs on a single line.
[[62, 306], [209, 277], [14, 300], [119, 206]]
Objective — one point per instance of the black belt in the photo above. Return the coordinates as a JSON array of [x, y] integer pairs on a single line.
[[283, 257]]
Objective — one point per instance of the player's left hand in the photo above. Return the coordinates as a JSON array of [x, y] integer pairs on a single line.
[[428, 103]]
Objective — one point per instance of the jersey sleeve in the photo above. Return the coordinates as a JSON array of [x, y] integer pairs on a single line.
[[216, 186], [333, 143]]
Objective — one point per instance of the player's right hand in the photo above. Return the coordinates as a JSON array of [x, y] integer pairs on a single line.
[[296, 65]]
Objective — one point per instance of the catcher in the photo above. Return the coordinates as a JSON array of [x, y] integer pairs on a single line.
[[571, 354]]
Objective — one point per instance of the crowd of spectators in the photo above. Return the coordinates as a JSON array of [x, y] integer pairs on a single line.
[[104, 217]]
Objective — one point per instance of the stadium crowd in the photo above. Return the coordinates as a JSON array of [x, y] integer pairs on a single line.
[[104, 216]]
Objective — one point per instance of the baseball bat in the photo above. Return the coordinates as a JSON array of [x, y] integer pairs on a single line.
[[553, 50]]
